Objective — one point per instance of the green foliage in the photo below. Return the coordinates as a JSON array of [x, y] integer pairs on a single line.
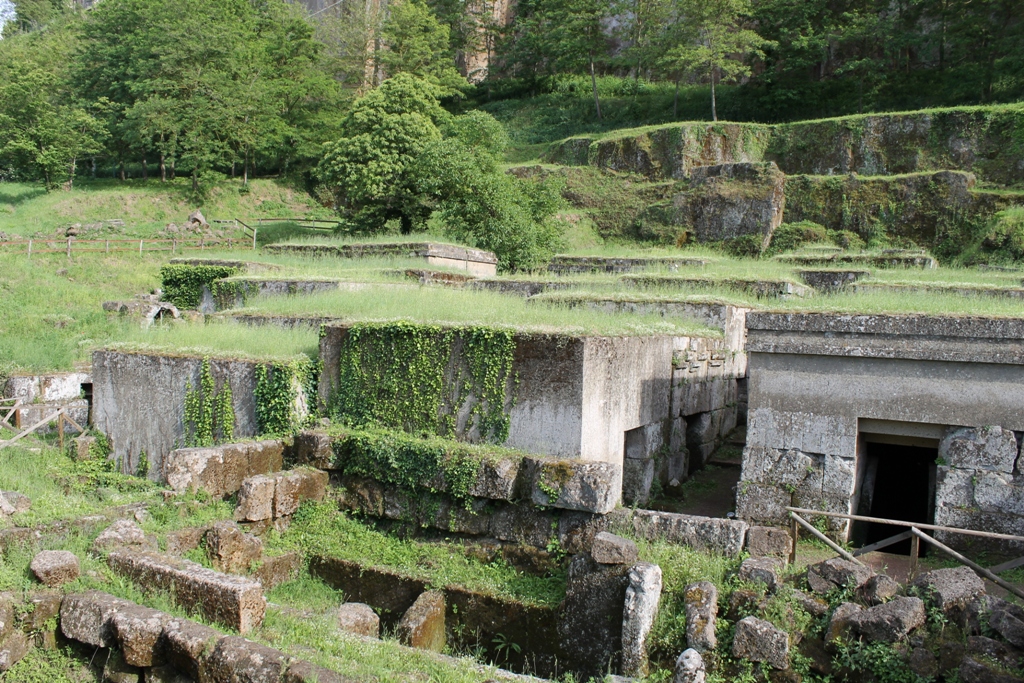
[[183, 284], [418, 44], [209, 414], [880, 660], [397, 376], [1004, 238], [792, 236], [282, 389], [414, 464]]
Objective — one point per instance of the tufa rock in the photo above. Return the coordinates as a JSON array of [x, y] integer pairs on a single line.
[[256, 499], [950, 589], [313, 448], [690, 668], [984, 448], [839, 625], [641, 606], [188, 646], [296, 486], [139, 633], [757, 640], [890, 622], [837, 573], [238, 659], [768, 541], [761, 570], [87, 617], [422, 625], [12, 502], [232, 550], [611, 549], [14, 649], [355, 617], [274, 571], [181, 541], [700, 604], [116, 670], [55, 567], [878, 589], [122, 534]]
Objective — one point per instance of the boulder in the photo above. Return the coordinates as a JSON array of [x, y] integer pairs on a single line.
[[839, 573], [890, 622], [611, 549], [123, 533], [422, 625], [761, 570], [690, 668], [232, 550], [13, 650], [975, 671], [840, 624], [641, 606], [757, 640], [196, 220], [923, 663], [816, 607], [768, 541], [983, 448], [87, 617], [139, 632], [878, 589], [700, 604], [355, 617], [55, 567], [238, 659], [950, 589]]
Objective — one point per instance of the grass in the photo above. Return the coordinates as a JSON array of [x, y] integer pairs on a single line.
[[461, 307], [146, 206], [224, 340]]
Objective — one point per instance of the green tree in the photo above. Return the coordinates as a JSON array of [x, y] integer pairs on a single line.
[[416, 43], [720, 45]]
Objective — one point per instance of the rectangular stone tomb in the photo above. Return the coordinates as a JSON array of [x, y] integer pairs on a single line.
[[565, 265], [233, 601], [908, 417], [476, 261], [765, 289]]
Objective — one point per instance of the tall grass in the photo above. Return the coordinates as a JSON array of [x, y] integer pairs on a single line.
[[223, 339]]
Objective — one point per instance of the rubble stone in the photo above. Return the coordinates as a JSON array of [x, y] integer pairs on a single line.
[[231, 549], [611, 549], [690, 668], [840, 573], [123, 533], [139, 632], [757, 640], [55, 567], [923, 663], [950, 589], [7, 614], [1002, 653], [1007, 620], [12, 502], [761, 570], [422, 625], [641, 606], [768, 541], [355, 617], [235, 601], [890, 622], [816, 607], [238, 659], [974, 671], [13, 650], [840, 624], [878, 589], [700, 604], [86, 617]]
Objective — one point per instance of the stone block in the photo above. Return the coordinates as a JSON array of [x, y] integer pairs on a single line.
[[55, 567], [643, 443], [237, 660], [637, 479], [878, 589], [358, 618], [116, 670], [83, 446], [840, 573], [763, 503], [643, 594], [922, 662], [297, 486], [950, 589], [274, 571], [700, 604], [690, 668], [611, 549], [45, 606], [763, 570], [235, 601], [313, 448], [711, 534], [497, 479], [522, 524], [1008, 621], [816, 607], [87, 617], [994, 650], [577, 485], [189, 645], [139, 632], [757, 640], [220, 470], [890, 622], [123, 533], [256, 499], [840, 623], [13, 650], [423, 625], [232, 550], [768, 541], [998, 492], [8, 614], [954, 487], [982, 448], [184, 540], [304, 672], [590, 618]]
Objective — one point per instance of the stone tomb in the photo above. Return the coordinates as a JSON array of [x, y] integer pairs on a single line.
[[475, 261], [895, 416]]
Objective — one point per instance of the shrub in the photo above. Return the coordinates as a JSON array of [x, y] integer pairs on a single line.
[[792, 236], [183, 284]]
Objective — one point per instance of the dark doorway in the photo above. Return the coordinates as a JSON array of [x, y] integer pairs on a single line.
[[898, 483]]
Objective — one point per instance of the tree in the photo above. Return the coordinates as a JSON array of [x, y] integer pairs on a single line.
[[416, 43], [719, 44]]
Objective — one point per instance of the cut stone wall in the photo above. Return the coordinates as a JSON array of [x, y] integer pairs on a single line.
[[476, 261], [813, 377], [138, 402], [64, 386]]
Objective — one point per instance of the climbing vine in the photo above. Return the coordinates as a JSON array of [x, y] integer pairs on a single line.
[[284, 394], [230, 293], [421, 378], [209, 414], [183, 284]]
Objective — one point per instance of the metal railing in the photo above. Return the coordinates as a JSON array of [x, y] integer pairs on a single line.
[[915, 534]]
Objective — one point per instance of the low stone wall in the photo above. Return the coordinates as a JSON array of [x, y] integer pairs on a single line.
[[139, 402], [568, 265], [709, 534], [58, 387], [220, 470], [765, 289], [476, 261], [234, 292]]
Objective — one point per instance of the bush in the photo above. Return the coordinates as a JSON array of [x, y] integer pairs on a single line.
[[183, 284], [792, 236], [1005, 236], [745, 246], [846, 239]]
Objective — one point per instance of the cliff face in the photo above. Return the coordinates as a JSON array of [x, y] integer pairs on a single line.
[[487, 16], [986, 141]]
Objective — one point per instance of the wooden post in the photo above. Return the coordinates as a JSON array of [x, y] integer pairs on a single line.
[[824, 539], [915, 550], [973, 565], [69, 248], [794, 534], [140, 247], [60, 431], [254, 239], [107, 246], [30, 249]]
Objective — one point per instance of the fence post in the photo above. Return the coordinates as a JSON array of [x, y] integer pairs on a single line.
[[60, 431], [69, 248], [794, 533], [140, 247], [174, 245], [30, 249], [915, 550], [107, 246], [254, 239]]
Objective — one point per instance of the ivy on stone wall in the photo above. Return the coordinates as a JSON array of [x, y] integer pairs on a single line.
[[183, 284], [280, 389], [227, 292], [420, 378], [209, 414]]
